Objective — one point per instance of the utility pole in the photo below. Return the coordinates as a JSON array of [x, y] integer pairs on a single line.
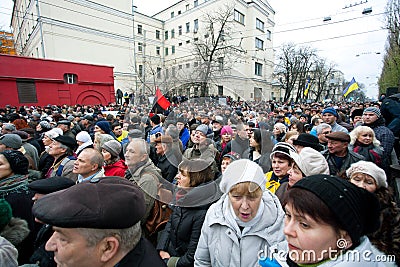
[[134, 50]]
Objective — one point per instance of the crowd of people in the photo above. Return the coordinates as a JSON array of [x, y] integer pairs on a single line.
[[244, 184]]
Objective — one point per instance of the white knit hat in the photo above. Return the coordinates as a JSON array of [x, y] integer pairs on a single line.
[[242, 170], [83, 136], [53, 133], [311, 162], [371, 169]]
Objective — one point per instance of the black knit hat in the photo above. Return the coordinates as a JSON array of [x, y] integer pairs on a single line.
[[19, 164], [356, 209]]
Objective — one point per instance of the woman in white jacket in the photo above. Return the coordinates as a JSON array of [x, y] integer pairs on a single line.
[[246, 221]]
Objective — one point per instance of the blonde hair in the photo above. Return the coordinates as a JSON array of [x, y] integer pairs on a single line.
[[360, 130], [247, 189]]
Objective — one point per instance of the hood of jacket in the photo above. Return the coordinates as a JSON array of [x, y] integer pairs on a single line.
[[15, 231]]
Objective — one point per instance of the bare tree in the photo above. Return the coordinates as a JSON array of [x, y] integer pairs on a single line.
[[321, 76]]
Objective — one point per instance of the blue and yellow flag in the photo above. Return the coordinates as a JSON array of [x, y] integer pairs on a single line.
[[353, 85], [308, 85]]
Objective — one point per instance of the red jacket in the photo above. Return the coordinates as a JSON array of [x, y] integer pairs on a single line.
[[116, 169]]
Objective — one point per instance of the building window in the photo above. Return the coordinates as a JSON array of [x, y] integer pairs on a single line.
[[188, 41], [180, 67], [140, 70], [172, 33], [27, 90], [195, 64], [260, 25], [180, 44], [180, 30], [139, 29], [158, 49], [196, 25], [196, 39], [70, 78], [158, 34], [166, 73], [166, 35], [221, 63], [173, 71], [196, 3], [187, 7], [158, 72], [166, 51], [172, 14], [258, 69], [179, 12], [268, 34], [140, 47], [187, 65], [239, 17], [173, 49], [187, 26], [259, 43]]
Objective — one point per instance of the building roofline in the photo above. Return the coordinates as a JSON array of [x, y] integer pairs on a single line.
[[168, 7]]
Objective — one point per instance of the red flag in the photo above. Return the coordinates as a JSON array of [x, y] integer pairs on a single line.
[[161, 100]]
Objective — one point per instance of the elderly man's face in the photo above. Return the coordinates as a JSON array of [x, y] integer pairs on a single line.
[[338, 148], [134, 154], [56, 149], [71, 249], [83, 164]]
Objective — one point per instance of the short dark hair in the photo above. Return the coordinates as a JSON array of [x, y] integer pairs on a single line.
[[198, 170], [115, 124]]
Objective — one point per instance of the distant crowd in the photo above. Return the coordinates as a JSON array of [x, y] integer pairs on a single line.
[[202, 183]]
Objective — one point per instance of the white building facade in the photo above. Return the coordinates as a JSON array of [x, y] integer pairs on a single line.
[[160, 50]]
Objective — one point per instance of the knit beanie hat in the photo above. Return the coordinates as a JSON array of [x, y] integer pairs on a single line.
[[356, 209], [83, 136], [112, 146], [105, 126], [5, 213], [19, 164], [9, 127], [284, 148], [311, 162], [370, 169], [374, 110], [242, 170], [226, 130], [330, 110]]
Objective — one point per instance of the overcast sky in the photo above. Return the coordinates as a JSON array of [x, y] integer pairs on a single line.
[[350, 40]]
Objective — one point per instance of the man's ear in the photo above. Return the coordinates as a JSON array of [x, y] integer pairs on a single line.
[[344, 241], [109, 247]]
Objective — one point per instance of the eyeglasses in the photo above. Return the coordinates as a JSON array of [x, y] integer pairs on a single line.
[[326, 132]]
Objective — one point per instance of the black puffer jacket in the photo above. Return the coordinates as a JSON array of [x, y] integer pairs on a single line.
[[183, 229]]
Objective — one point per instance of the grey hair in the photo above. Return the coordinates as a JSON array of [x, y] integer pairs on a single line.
[[321, 127], [95, 157], [69, 151], [144, 147], [128, 237]]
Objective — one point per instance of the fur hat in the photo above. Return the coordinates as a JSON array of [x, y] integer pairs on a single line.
[[84, 137], [242, 170], [370, 169], [330, 110], [19, 164], [308, 140], [357, 112], [311, 162], [53, 133], [374, 110], [112, 146], [356, 209]]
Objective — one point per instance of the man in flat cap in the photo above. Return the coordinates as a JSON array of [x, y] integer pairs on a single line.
[[338, 156], [99, 225], [62, 149], [65, 126]]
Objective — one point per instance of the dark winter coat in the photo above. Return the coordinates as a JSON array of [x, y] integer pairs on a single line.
[[41, 256], [143, 255], [168, 165], [349, 159], [237, 145], [45, 163], [183, 229]]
